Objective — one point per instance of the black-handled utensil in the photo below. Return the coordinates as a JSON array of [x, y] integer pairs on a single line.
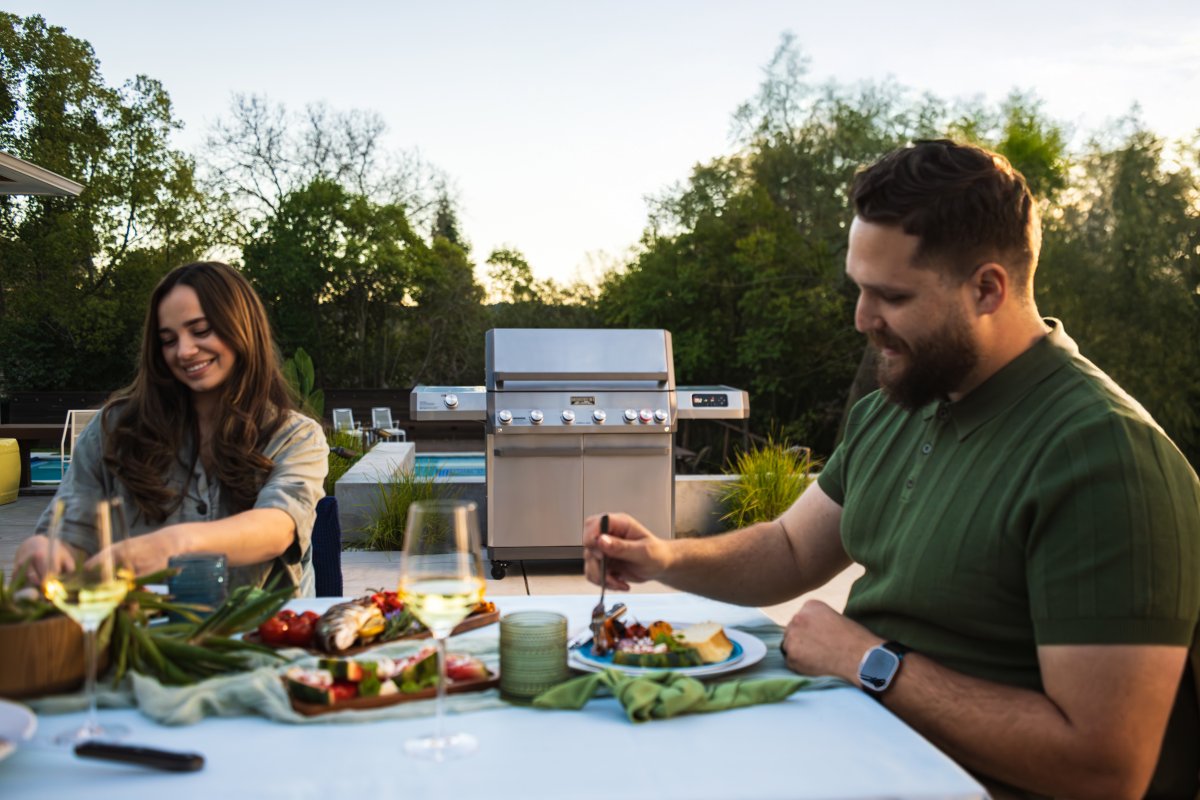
[[142, 756]]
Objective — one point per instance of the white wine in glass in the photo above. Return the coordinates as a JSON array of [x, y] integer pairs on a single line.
[[87, 593], [441, 580]]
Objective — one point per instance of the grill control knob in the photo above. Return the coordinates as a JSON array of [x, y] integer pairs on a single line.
[[599, 415], [568, 416], [630, 415], [536, 417], [451, 401], [644, 415], [660, 415], [505, 417]]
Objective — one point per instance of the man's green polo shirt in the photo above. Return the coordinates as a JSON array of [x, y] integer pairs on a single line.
[[1045, 507]]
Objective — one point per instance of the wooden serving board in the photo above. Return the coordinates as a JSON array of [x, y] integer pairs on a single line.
[[380, 701], [468, 624]]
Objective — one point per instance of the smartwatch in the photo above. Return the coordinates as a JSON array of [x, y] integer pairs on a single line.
[[879, 666]]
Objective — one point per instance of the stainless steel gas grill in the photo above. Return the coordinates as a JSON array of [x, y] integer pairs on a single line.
[[577, 422]]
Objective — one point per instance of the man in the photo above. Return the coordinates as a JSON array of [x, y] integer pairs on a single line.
[[1031, 538]]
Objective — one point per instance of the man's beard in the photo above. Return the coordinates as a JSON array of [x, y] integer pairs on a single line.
[[937, 364]]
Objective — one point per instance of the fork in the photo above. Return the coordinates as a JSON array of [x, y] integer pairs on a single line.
[[599, 613]]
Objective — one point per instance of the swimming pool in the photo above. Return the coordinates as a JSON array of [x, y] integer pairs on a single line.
[[450, 465], [47, 467]]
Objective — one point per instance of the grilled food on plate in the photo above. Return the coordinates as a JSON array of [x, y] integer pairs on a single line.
[[352, 625], [661, 645]]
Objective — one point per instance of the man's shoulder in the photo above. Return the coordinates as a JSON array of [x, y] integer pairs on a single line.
[[1087, 397]]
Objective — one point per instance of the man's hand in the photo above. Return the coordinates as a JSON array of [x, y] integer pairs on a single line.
[[34, 552], [634, 553], [820, 641]]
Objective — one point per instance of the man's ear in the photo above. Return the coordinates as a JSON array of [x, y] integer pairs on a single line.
[[989, 287]]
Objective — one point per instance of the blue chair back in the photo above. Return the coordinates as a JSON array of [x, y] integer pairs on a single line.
[[327, 549]]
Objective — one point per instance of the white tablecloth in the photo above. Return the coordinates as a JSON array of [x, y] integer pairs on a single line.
[[836, 743]]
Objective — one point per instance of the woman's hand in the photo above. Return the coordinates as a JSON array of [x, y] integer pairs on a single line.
[[34, 553], [149, 552]]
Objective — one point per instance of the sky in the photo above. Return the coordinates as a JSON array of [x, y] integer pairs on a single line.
[[556, 120]]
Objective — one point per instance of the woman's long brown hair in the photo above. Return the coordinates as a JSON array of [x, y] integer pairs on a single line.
[[147, 423]]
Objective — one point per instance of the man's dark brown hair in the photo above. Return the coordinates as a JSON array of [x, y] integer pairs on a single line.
[[967, 205]]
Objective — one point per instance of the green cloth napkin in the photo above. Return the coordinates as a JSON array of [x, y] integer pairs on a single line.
[[669, 694]]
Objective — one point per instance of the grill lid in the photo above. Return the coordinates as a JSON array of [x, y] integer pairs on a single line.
[[543, 358]]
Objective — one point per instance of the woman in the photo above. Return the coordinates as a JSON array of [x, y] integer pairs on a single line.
[[205, 446]]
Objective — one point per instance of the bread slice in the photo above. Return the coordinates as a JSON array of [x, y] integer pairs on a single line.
[[708, 639]]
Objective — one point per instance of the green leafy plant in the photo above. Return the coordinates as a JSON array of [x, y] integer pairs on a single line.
[[386, 531], [176, 653], [343, 454], [181, 653], [298, 372], [769, 479], [20, 602]]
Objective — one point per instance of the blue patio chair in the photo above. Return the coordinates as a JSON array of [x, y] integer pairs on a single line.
[[327, 549]]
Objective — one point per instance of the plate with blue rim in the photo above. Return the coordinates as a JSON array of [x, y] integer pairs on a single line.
[[748, 650]]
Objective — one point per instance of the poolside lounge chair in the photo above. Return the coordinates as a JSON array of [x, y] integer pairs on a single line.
[[381, 421], [343, 420], [77, 420]]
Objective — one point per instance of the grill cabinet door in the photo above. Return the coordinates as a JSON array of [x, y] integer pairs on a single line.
[[631, 473], [535, 491]]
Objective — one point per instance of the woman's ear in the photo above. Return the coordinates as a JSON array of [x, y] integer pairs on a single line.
[[989, 287]]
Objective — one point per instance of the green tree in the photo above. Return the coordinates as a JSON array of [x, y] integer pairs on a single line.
[[75, 272], [334, 270], [521, 300], [1121, 267], [443, 334]]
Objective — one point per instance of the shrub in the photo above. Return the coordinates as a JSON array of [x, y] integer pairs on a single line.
[[770, 478], [386, 531], [346, 445]]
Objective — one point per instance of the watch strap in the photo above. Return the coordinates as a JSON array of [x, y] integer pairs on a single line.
[[900, 650]]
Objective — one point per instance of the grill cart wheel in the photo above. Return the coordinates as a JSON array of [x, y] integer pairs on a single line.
[[499, 569]]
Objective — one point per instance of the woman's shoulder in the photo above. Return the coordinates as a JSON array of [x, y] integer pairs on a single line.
[[295, 425]]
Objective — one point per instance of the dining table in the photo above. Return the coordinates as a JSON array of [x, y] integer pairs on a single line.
[[830, 743]]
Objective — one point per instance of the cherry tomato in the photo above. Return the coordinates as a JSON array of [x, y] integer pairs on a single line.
[[274, 632], [343, 690], [311, 616], [300, 632], [287, 614]]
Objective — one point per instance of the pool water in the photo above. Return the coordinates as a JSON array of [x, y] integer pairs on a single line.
[[47, 468], [466, 465]]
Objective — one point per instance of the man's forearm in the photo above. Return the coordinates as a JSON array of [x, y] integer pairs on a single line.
[[1017, 735], [1094, 730], [753, 566]]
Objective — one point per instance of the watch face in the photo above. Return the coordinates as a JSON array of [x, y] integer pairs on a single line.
[[878, 668]]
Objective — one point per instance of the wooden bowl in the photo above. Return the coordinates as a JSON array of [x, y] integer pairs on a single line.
[[43, 657]]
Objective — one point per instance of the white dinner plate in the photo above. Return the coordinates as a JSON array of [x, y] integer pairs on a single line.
[[17, 724], [748, 650]]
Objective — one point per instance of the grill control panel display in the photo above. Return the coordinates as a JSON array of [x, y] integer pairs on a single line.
[[710, 400]]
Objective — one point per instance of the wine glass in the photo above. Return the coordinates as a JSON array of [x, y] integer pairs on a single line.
[[88, 593], [441, 580]]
